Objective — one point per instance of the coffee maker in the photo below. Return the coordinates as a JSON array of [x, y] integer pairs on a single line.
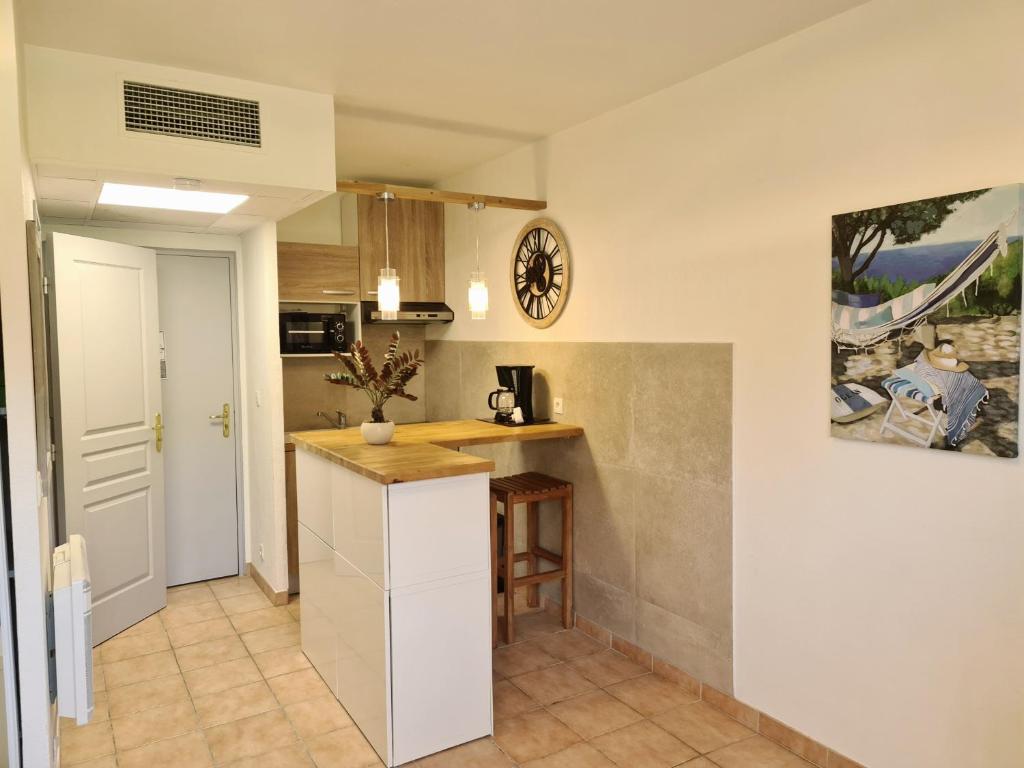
[[519, 380]]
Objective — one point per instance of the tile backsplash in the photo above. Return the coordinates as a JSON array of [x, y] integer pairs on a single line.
[[653, 480]]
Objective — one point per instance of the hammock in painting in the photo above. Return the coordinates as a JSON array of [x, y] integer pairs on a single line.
[[862, 327]]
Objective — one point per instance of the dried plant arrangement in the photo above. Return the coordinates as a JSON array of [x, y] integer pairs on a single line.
[[380, 386]]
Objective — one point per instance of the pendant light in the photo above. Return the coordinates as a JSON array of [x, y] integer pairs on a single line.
[[477, 282], [388, 292]]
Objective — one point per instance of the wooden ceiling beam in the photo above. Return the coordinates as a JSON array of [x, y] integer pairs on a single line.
[[440, 195]]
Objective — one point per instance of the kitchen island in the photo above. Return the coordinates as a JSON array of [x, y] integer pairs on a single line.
[[396, 579]]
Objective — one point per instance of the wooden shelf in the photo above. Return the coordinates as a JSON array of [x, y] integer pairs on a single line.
[[441, 195]]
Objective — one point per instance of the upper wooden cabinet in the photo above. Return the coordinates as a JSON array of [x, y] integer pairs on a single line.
[[308, 272], [416, 230]]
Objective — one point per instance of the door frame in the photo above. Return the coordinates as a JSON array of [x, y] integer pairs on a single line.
[[236, 361], [190, 243]]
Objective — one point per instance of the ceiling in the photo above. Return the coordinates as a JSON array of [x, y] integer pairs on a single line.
[[423, 90]]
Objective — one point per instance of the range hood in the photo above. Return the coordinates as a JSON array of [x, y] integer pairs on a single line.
[[411, 313]]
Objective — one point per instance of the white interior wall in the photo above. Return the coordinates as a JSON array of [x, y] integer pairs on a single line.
[[30, 528], [262, 392], [878, 591]]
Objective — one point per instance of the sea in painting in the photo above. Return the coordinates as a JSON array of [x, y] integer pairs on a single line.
[[926, 321]]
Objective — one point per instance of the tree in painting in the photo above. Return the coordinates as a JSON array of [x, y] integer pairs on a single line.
[[858, 237]]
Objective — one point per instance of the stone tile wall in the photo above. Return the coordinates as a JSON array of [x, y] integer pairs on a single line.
[[653, 480]]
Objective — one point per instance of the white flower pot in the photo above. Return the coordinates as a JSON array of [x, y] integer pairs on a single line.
[[376, 433]]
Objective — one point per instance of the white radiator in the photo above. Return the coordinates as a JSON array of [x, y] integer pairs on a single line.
[[72, 629]]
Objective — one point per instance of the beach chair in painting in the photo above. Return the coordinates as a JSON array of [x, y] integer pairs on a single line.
[[914, 402], [859, 327]]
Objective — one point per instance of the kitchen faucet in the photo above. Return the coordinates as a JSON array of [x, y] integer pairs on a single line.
[[340, 423]]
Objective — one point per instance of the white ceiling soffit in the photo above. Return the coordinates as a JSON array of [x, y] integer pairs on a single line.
[[425, 89]]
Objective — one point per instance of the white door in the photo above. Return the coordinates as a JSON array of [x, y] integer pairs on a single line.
[[109, 385], [198, 382]]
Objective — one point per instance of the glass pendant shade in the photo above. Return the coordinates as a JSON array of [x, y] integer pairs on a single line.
[[478, 299], [388, 294]]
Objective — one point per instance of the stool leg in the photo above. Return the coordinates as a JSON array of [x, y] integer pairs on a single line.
[[510, 569], [567, 560], [532, 526], [494, 571]]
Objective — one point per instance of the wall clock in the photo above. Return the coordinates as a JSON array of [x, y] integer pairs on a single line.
[[540, 272]]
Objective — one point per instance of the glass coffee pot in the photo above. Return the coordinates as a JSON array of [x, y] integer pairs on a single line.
[[503, 402]]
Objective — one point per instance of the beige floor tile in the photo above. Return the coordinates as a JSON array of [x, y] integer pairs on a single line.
[[482, 753], [199, 593], [510, 701], [757, 752], [518, 659], [698, 762], [153, 725], [701, 726], [190, 634], [552, 684], [233, 585], [129, 646], [251, 736], [643, 745], [100, 707], [298, 686], [287, 757], [295, 609], [591, 714], [281, 661], [317, 716], [607, 668], [148, 624], [99, 678], [576, 756], [570, 644], [253, 601], [86, 742], [188, 751], [190, 614], [235, 704], [107, 761], [533, 735], [272, 638], [342, 749], [139, 697], [221, 677], [536, 625], [140, 669], [261, 619], [210, 652], [651, 694]]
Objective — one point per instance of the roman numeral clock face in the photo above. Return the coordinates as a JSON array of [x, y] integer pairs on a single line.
[[540, 272]]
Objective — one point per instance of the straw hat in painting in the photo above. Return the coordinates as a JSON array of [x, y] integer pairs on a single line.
[[946, 358]]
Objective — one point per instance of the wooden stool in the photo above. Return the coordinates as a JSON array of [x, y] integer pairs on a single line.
[[529, 488]]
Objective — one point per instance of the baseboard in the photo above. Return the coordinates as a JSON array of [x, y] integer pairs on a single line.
[[277, 598], [803, 746]]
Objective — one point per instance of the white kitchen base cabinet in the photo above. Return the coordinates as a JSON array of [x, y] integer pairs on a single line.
[[395, 583]]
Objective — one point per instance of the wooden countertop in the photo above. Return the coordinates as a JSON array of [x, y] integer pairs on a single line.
[[422, 451]]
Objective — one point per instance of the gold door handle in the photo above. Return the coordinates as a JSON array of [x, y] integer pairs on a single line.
[[158, 427], [224, 417]]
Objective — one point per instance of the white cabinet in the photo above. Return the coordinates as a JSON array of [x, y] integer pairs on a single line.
[[396, 604]]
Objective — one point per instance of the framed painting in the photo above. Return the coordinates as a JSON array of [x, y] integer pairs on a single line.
[[926, 321]]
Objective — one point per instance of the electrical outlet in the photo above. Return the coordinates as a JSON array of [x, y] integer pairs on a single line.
[[259, 398], [558, 405], [260, 550]]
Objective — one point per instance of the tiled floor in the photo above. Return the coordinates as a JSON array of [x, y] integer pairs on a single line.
[[217, 678]]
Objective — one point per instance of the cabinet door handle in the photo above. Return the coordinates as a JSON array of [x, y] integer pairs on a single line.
[[371, 293], [329, 292]]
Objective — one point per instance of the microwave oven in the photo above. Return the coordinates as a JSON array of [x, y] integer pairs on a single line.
[[313, 333]]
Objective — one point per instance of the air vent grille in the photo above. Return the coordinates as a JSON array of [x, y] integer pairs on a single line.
[[191, 114]]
